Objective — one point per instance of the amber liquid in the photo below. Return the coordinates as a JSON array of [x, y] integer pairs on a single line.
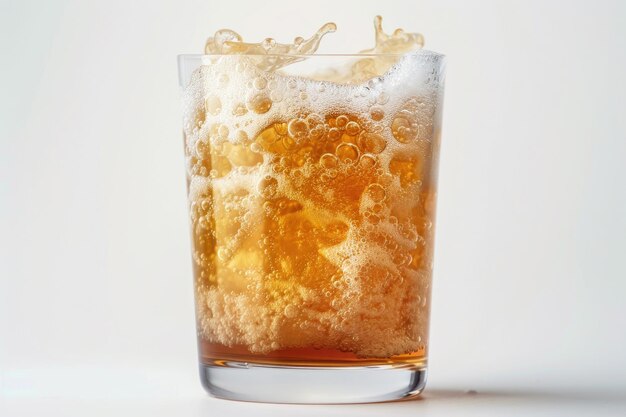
[[220, 355]]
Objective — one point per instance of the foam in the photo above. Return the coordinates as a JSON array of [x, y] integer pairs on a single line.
[[298, 243]]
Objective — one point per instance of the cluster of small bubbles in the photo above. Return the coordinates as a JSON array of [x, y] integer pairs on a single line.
[[405, 126]]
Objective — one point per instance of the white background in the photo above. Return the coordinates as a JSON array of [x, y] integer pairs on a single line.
[[96, 310]]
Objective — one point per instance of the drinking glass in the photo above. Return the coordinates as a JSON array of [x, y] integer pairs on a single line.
[[312, 193]]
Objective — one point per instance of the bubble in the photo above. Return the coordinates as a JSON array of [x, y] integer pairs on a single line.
[[199, 117], [382, 98], [347, 152], [377, 113], [239, 109], [314, 119], [268, 187], [297, 128], [203, 223], [342, 121], [316, 133], [202, 149], [372, 142], [259, 103], [222, 131], [402, 131], [376, 192], [206, 204], [213, 105], [374, 83], [334, 134], [241, 136], [281, 128], [353, 128], [260, 83], [224, 254], [367, 161], [290, 311], [288, 143]]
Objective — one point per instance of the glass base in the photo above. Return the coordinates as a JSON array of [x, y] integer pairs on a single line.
[[244, 381]]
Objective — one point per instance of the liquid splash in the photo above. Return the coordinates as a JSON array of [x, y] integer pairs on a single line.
[[398, 42], [270, 55]]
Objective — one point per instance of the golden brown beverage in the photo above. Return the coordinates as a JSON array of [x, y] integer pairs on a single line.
[[312, 205], [315, 234]]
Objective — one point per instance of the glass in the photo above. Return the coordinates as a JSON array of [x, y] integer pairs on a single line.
[[312, 209]]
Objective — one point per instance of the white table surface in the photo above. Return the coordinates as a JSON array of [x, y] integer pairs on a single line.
[[97, 392]]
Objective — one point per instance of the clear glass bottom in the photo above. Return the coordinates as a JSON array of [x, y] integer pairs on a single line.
[[244, 381]]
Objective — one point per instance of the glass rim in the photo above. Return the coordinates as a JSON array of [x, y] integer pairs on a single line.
[[424, 52]]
